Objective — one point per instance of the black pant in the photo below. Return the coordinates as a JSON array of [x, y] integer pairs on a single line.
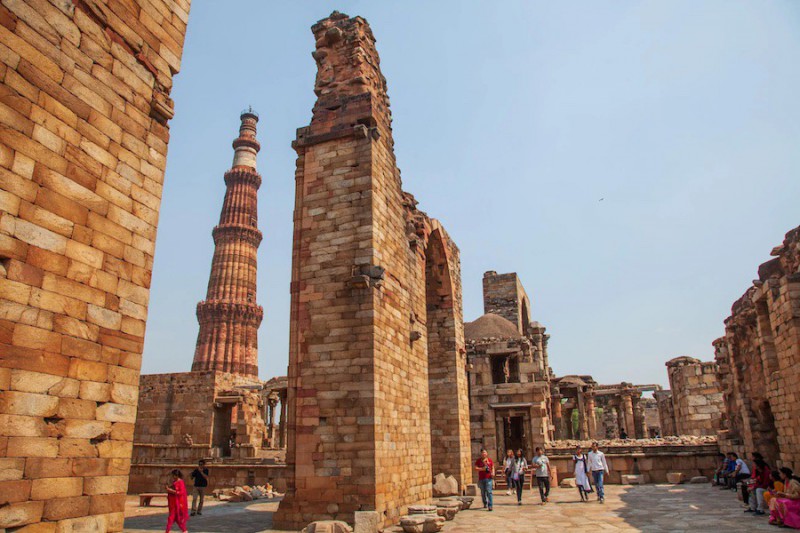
[[517, 484], [544, 487]]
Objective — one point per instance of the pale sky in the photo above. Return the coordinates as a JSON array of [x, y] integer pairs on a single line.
[[633, 162]]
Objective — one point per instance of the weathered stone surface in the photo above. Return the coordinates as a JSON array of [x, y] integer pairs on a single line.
[[328, 526], [376, 294], [367, 522], [633, 479], [422, 523], [445, 486], [472, 490], [699, 479], [675, 477], [83, 142], [421, 509], [758, 361], [694, 404], [567, 482]]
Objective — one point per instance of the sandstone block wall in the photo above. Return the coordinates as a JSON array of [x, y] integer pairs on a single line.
[[504, 295], [696, 396], [188, 416], [151, 477], [358, 400], [758, 361], [654, 462], [83, 141]]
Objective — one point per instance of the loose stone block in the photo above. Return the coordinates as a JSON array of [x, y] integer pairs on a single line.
[[367, 522], [675, 477]]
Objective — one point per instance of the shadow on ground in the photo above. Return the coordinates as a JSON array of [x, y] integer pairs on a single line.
[[245, 517]]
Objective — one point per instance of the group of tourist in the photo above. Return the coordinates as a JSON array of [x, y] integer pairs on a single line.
[[177, 499], [763, 490], [590, 470]]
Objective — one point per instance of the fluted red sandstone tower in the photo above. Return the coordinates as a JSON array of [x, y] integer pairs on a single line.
[[229, 316]]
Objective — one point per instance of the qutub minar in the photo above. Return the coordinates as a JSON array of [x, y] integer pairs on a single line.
[[229, 316]]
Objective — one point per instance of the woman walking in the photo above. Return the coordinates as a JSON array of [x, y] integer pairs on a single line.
[[518, 468], [582, 474], [177, 502], [507, 463]]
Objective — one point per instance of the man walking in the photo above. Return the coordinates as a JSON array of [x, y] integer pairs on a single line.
[[200, 478], [542, 465], [485, 467], [599, 467]]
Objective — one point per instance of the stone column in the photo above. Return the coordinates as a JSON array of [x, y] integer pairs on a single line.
[[627, 412], [590, 416], [272, 402], [639, 421], [282, 423], [558, 423], [583, 426]]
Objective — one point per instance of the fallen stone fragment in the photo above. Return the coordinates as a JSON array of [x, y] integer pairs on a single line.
[[328, 526], [699, 479], [674, 477]]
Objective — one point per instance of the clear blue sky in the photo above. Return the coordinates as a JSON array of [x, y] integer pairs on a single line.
[[512, 120]]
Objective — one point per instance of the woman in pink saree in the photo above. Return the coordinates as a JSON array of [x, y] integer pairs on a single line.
[[785, 506], [177, 502]]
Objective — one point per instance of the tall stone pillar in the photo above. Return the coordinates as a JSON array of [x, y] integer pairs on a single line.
[[640, 423], [358, 406], [591, 417], [558, 423], [583, 424], [229, 316], [627, 413]]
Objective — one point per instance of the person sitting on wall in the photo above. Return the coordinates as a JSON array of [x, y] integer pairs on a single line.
[[729, 468], [722, 470], [740, 471], [776, 486], [785, 507], [622, 434], [762, 481], [748, 485]]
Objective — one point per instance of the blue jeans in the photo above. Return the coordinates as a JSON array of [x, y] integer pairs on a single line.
[[597, 475], [486, 492]]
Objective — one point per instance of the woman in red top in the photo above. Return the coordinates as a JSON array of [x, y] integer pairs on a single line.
[[177, 502], [762, 482]]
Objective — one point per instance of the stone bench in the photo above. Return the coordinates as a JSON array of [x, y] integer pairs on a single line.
[[146, 498], [633, 479]]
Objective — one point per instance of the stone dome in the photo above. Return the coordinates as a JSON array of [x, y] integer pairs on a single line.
[[490, 325]]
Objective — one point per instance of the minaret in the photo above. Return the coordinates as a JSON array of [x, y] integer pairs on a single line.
[[229, 316]]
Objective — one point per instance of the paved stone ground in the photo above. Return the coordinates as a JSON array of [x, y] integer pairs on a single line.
[[648, 508]]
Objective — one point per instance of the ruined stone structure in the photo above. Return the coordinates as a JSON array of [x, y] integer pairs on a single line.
[[83, 140], [219, 411], [757, 361], [509, 375], [376, 318], [625, 408], [694, 404], [229, 316], [666, 412]]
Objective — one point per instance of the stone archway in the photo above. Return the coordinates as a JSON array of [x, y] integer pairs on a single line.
[[447, 379]]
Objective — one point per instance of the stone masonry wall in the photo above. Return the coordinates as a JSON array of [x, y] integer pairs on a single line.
[[696, 396], [358, 406], [504, 295], [666, 412], [177, 417], [84, 106], [758, 361]]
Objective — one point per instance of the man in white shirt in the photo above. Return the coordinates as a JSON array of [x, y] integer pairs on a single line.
[[598, 467]]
